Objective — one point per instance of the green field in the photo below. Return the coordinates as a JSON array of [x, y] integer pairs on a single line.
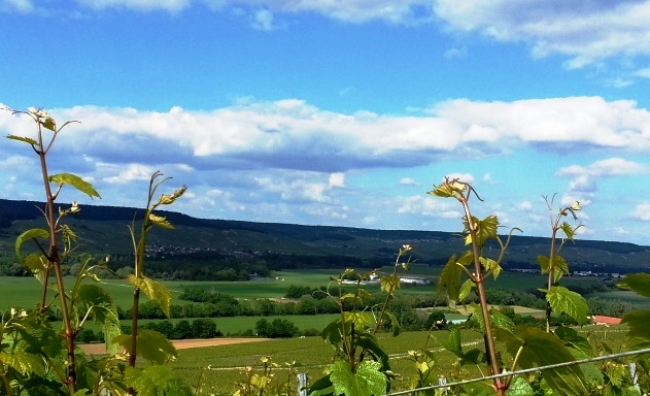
[[627, 296], [312, 355], [24, 292], [232, 325]]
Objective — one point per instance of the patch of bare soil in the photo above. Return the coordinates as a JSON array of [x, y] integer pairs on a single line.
[[99, 349]]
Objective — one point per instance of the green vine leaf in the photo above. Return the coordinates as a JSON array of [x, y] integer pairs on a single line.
[[156, 291], [491, 265], [104, 310], [637, 322], [486, 229], [564, 300], [465, 289], [367, 381], [23, 362], [638, 283], [394, 323], [498, 318], [449, 280], [369, 343], [28, 235], [151, 346], [76, 182], [160, 221], [520, 387], [23, 139], [322, 387], [449, 189], [389, 284], [568, 231], [539, 348], [453, 344], [560, 266], [157, 381], [48, 122], [36, 264]]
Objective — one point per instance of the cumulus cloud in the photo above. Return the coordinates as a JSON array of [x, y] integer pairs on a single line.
[[582, 120], [408, 181], [642, 211], [587, 31], [427, 206], [583, 178], [292, 134], [302, 186], [288, 161]]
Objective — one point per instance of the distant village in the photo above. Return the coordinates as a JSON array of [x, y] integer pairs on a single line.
[[614, 275]]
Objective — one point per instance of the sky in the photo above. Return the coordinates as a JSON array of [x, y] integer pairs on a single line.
[[339, 112]]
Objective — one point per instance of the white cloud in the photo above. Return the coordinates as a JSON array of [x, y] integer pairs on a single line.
[[525, 205], [172, 6], [464, 177], [539, 121], [427, 206], [455, 53], [583, 179], [263, 20], [302, 186], [408, 181], [587, 31], [642, 211], [645, 73], [337, 180], [354, 11], [291, 134], [123, 175], [327, 212], [21, 6]]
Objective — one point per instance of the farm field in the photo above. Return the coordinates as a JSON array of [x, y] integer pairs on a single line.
[[310, 354], [232, 325], [218, 368], [626, 296], [23, 290]]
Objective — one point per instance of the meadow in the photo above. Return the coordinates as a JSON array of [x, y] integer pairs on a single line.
[[23, 290]]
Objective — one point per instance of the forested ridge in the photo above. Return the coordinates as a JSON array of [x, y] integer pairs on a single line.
[[234, 250]]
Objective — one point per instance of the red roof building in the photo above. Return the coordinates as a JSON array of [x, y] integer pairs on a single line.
[[605, 320]]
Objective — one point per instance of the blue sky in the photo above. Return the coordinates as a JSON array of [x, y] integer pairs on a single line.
[[340, 112]]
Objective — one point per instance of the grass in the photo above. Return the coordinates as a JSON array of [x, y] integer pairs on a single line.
[[24, 291], [232, 325], [311, 355]]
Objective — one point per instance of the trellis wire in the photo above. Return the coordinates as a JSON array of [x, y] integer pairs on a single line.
[[524, 371]]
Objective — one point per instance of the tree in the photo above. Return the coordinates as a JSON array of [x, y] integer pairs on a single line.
[[306, 306], [279, 328], [182, 330], [204, 328]]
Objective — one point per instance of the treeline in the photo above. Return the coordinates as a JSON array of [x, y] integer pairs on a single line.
[[182, 330]]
